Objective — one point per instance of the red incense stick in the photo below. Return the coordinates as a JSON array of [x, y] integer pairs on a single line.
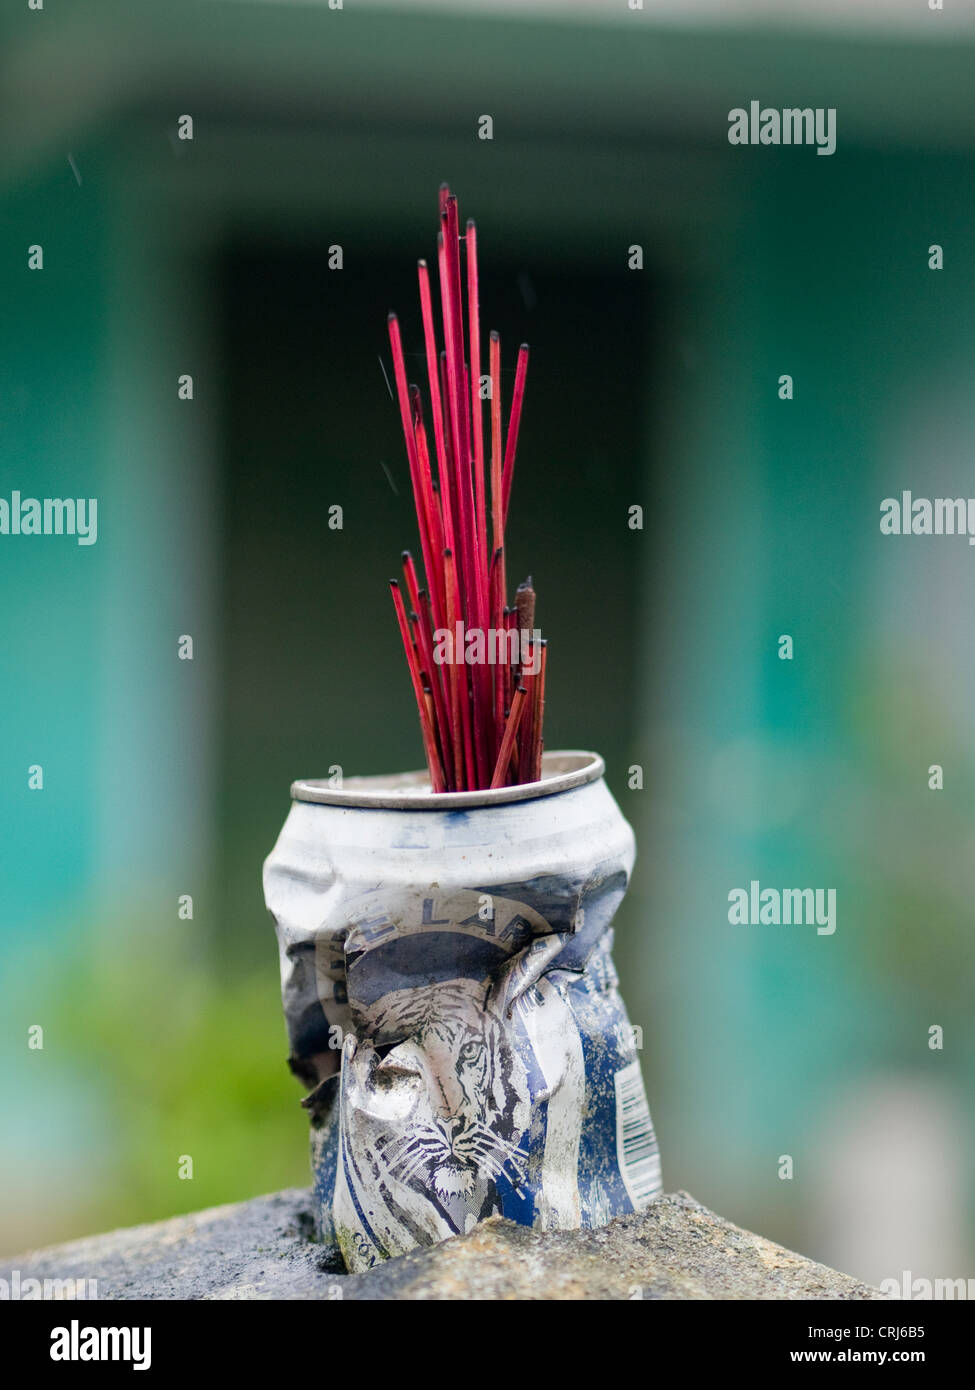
[[474, 321], [514, 424], [536, 763], [433, 376], [508, 742], [453, 676], [426, 725]]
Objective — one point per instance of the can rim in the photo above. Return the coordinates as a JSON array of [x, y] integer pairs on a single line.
[[410, 791]]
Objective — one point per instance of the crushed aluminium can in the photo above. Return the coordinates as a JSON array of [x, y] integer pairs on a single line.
[[451, 1003]]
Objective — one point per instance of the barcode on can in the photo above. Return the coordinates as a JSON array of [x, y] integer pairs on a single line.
[[636, 1144]]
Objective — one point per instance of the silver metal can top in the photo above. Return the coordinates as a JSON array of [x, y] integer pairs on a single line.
[[410, 791]]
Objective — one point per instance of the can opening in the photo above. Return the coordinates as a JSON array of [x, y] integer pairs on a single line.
[[410, 791]]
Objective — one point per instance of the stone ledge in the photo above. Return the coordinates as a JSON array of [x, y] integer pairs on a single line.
[[676, 1249]]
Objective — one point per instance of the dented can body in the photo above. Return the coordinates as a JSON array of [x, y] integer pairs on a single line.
[[452, 1005]]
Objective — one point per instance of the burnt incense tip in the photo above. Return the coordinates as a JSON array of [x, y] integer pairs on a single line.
[[444, 187], [393, 584], [495, 336], [391, 316], [470, 224], [405, 556], [523, 347]]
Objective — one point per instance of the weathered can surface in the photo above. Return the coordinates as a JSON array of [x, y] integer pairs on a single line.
[[451, 1002]]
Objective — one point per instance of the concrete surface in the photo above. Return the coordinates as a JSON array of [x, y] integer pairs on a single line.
[[263, 1248]]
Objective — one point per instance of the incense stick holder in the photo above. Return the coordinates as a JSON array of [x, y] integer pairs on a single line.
[[452, 1006]]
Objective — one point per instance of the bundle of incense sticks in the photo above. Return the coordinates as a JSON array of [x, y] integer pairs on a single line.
[[477, 666]]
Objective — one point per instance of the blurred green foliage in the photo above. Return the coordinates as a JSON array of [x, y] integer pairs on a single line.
[[188, 1059]]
